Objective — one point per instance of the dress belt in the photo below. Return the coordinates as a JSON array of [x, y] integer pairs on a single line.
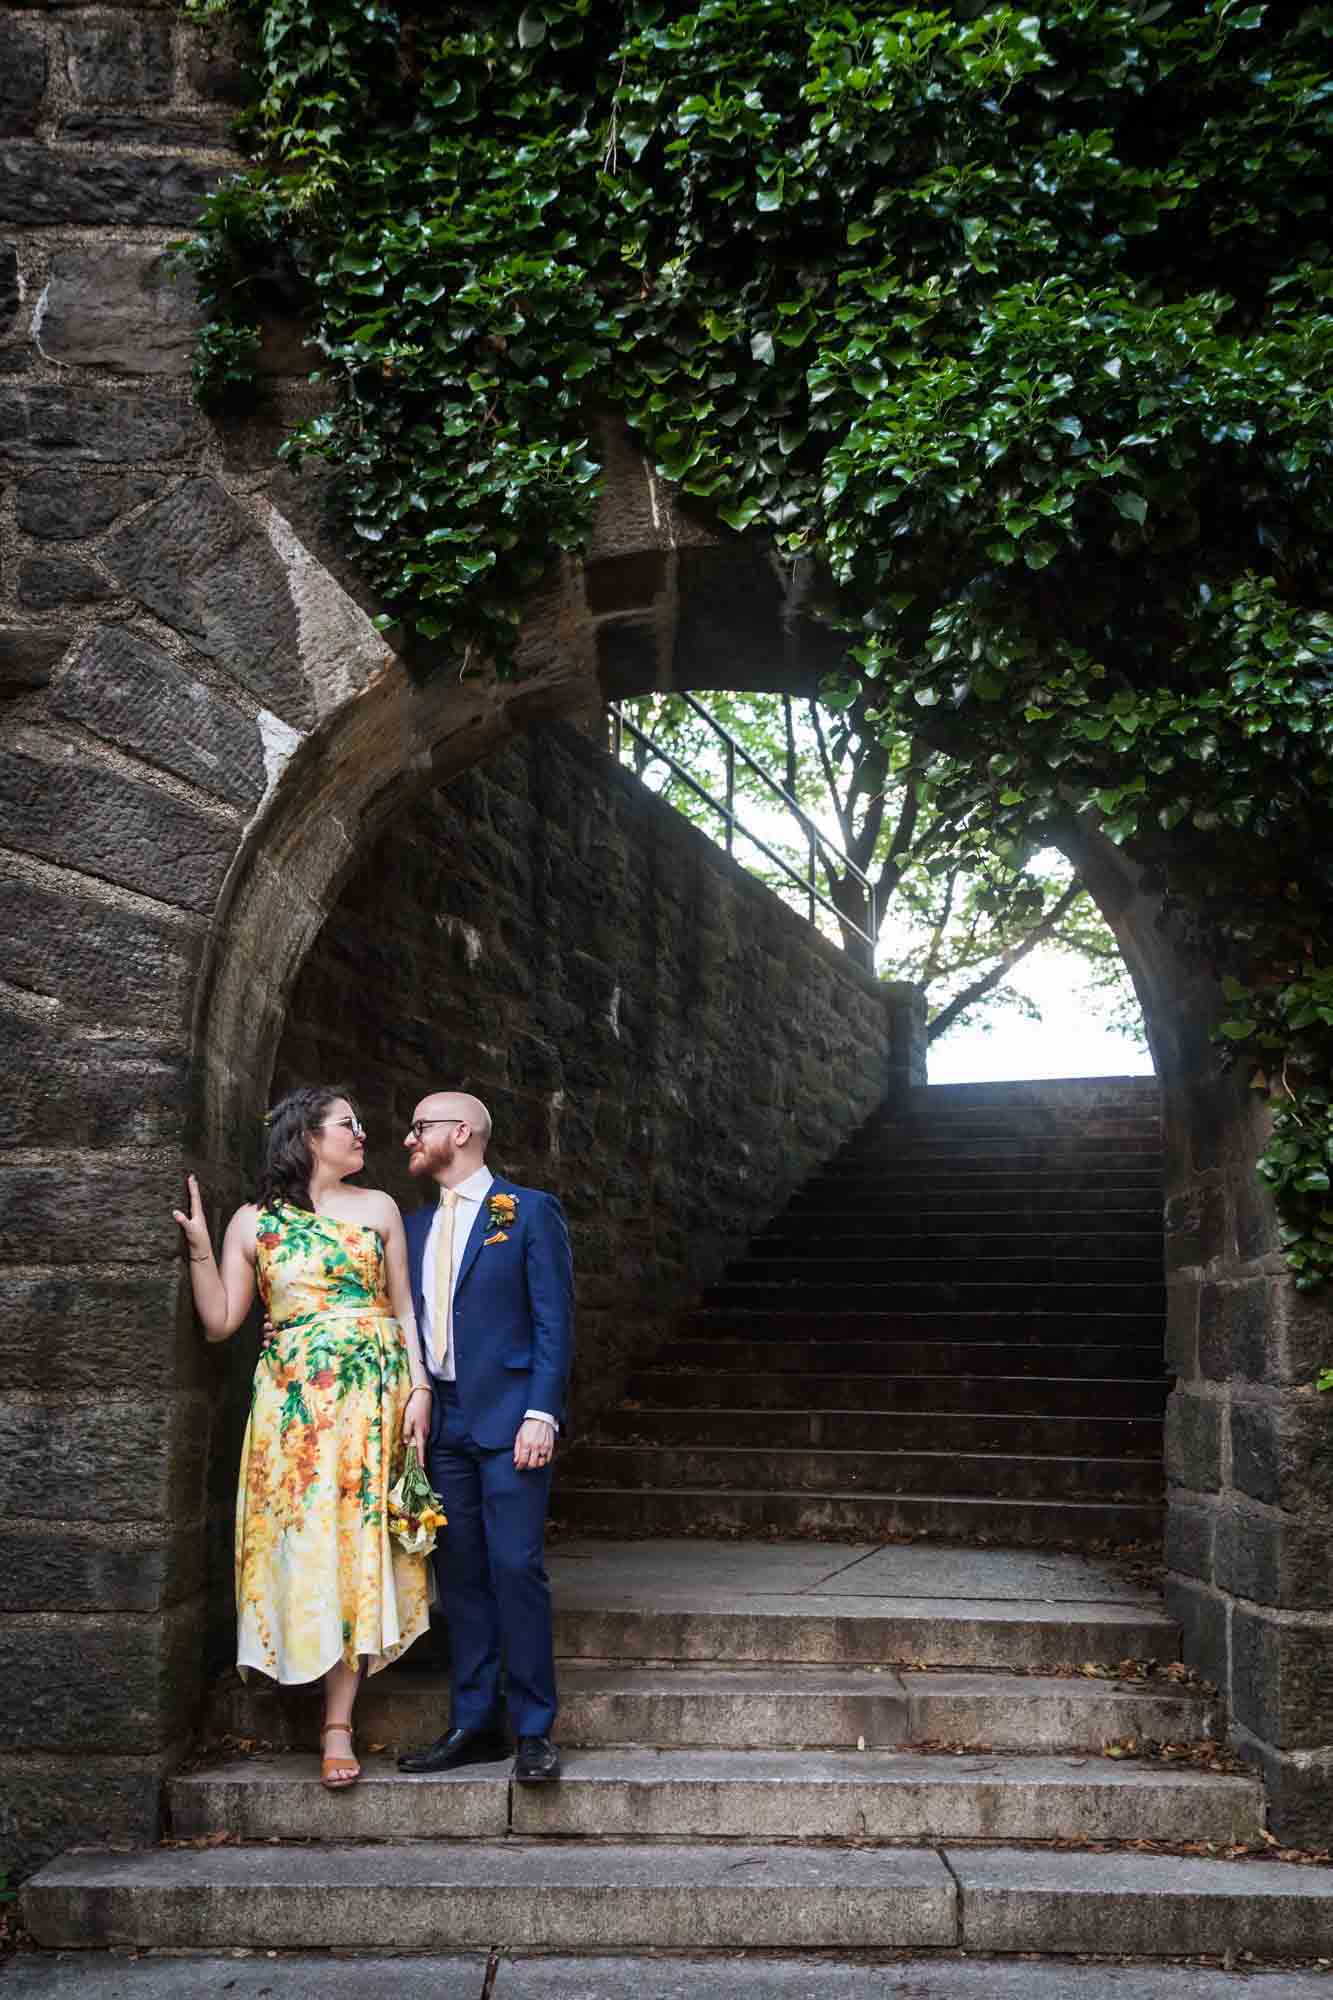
[[332, 1312]]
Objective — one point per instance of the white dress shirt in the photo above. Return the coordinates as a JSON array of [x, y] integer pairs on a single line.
[[471, 1194]]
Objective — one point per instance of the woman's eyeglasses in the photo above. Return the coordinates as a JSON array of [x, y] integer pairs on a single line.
[[353, 1125]]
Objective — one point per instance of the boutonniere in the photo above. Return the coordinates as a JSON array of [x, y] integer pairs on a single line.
[[502, 1209]]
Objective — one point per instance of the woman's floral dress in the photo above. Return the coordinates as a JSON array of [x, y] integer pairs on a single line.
[[317, 1578]]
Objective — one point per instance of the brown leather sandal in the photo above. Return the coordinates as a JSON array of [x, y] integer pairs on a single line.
[[337, 1773]]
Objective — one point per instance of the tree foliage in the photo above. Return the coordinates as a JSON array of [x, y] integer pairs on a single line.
[[1016, 322], [956, 918]]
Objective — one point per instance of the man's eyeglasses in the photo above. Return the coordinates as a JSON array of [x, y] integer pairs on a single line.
[[353, 1125], [418, 1126]]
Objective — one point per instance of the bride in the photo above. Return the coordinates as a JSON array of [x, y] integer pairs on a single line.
[[321, 1592]]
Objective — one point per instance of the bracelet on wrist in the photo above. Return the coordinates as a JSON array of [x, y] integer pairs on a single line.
[[201, 1260], [420, 1389]]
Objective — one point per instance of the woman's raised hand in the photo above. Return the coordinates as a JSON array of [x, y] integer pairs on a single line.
[[194, 1226]]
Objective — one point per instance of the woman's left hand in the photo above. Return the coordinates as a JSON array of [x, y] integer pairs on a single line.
[[416, 1424]]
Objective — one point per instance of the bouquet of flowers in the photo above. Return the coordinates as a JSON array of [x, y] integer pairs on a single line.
[[415, 1511]]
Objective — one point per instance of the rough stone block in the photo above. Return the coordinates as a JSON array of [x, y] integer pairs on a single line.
[[10, 295], [22, 77], [1193, 1441], [1202, 1617], [1274, 1561], [127, 59], [1302, 1337], [1235, 1323], [50, 1803], [198, 560], [120, 1460], [124, 1683], [106, 963], [58, 1567], [1298, 1790], [68, 1214], [48, 583], [1189, 1540], [1196, 1226], [1182, 1326], [42, 424], [52, 507], [1282, 1452], [123, 687], [121, 306], [27, 655], [80, 1330], [105, 824], [64, 1093], [40, 185], [219, 64], [175, 130], [1282, 1679]]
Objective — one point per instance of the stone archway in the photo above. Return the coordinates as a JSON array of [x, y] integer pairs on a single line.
[[203, 731]]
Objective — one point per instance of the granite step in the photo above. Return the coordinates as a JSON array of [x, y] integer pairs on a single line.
[[943, 1515], [809, 1261], [989, 1245], [757, 1708], [741, 1469], [901, 1233], [736, 1795], [576, 1895], [804, 1322], [922, 1293], [1031, 1395], [945, 1356], [863, 1426], [927, 1186]]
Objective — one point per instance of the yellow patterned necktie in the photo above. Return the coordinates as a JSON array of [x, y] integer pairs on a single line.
[[444, 1274]]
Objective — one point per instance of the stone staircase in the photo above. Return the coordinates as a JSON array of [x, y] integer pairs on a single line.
[[955, 1329], [847, 1747], [787, 1748]]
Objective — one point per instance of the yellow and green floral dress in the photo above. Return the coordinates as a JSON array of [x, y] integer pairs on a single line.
[[317, 1578]]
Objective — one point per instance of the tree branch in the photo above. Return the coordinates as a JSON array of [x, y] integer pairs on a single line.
[[998, 973]]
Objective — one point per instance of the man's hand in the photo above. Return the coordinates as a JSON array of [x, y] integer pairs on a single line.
[[533, 1445], [267, 1336]]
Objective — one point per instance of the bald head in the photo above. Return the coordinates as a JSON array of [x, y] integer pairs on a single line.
[[458, 1105], [450, 1144]]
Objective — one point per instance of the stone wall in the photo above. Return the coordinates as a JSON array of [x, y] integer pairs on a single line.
[[1249, 1441], [661, 1041]]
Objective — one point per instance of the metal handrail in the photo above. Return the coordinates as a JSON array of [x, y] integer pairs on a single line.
[[815, 839]]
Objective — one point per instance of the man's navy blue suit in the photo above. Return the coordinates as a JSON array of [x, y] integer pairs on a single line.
[[513, 1337]]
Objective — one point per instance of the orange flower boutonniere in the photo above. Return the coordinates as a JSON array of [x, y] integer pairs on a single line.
[[503, 1211]]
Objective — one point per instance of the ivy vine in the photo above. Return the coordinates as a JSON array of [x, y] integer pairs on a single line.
[[1015, 323]]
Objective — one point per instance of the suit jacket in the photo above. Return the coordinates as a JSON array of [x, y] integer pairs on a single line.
[[513, 1311]]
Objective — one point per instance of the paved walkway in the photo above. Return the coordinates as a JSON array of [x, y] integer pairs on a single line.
[[247, 1976]]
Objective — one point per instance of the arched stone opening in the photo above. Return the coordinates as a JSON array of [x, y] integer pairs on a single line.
[[157, 939]]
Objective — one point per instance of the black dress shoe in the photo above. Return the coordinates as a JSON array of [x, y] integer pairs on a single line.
[[537, 1760], [460, 1746]]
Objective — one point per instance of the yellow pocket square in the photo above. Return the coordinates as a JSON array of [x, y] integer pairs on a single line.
[[500, 1236]]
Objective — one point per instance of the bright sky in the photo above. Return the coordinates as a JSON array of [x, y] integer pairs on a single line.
[[1071, 1039]]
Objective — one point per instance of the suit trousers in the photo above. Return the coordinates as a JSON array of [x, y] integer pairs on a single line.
[[491, 1572]]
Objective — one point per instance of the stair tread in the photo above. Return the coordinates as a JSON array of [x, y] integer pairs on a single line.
[[645, 1765]]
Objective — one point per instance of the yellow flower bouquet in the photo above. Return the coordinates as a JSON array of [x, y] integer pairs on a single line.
[[415, 1509]]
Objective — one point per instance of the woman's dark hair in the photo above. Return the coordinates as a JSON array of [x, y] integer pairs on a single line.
[[285, 1174]]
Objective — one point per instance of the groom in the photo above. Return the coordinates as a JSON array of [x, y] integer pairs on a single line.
[[493, 1291]]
